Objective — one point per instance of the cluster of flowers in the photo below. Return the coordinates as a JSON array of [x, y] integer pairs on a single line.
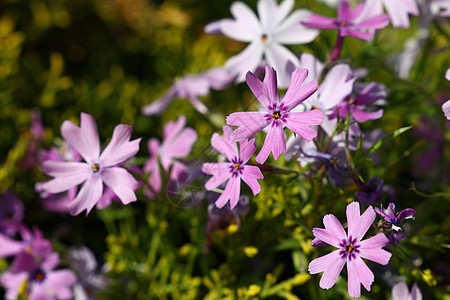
[[33, 272], [318, 94]]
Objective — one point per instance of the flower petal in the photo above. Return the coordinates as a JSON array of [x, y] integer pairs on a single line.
[[60, 282], [67, 175], [88, 196], [232, 191], [121, 183], [249, 175], [247, 149], [320, 22], [224, 146], [120, 148], [297, 92], [274, 143], [416, 294], [84, 138], [292, 32], [380, 256], [337, 85], [299, 123], [271, 14], [245, 27], [158, 106], [358, 273], [249, 123], [333, 226], [264, 91], [247, 60], [400, 291], [358, 225], [220, 171], [331, 265], [278, 57]]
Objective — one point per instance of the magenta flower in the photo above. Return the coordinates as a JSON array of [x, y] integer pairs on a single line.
[[234, 170], [348, 22], [393, 221], [350, 251], [191, 87], [11, 213], [397, 10], [446, 105], [277, 114], [97, 169], [177, 143], [400, 292]]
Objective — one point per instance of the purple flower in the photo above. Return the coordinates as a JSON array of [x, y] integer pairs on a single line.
[[397, 10], [392, 221], [350, 251], [234, 170], [400, 292], [277, 114], [370, 192], [266, 36], [446, 105], [191, 87], [97, 169], [177, 143], [349, 22], [11, 213], [370, 93], [40, 282]]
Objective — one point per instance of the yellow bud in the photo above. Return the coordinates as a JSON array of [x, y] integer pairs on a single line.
[[301, 278], [254, 290], [250, 251], [233, 228]]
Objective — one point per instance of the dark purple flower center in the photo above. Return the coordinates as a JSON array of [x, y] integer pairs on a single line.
[[237, 166], [349, 248], [38, 276], [343, 23], [276, 115]]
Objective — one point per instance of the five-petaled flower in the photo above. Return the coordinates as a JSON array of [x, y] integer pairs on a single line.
[[267, 36], [350, 22], [97, 169], [351, 250], [277, 114], [234, 170]]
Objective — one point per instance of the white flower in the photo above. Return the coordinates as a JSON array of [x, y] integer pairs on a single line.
[[266, 36]]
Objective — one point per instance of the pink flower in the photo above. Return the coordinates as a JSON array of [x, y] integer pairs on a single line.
[[277, 114], [400, 292], [349, 22], [350, 251], [97, 169], [41, 281], [177, 143], [234, 170], [191, 87]]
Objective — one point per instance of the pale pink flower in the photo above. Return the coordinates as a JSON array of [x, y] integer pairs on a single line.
[[97, 168], [191, 87], [234, 170], [177, 143], [397, 10], [351, 250], [277, 114], [400, 292]]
